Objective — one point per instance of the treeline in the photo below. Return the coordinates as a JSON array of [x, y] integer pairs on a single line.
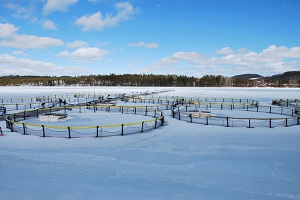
[[125, 80], [147, 80]]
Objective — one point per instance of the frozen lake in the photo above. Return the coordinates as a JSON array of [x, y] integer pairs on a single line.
[[179, 160]]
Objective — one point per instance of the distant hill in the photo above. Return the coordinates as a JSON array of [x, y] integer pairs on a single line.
[[247, 76], [285, 76]]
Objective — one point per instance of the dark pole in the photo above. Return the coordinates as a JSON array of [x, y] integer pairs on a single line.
[[227, 118], [44, 135], [24, 129], [69, 130], [97, 131]]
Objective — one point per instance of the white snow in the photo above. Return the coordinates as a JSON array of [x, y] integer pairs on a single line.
[[179, 160]]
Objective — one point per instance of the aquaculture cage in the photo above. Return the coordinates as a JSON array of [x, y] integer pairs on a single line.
[[17, 122]]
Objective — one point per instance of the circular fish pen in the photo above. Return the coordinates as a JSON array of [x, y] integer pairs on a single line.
[[236, 115], [85, 121]]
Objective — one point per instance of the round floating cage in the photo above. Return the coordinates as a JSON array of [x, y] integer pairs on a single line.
[[237, 115], [84, 121]]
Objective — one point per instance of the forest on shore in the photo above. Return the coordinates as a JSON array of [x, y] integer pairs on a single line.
[[287, 79]]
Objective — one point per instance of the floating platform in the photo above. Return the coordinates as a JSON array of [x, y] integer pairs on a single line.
[[200, 114], [52, 117]]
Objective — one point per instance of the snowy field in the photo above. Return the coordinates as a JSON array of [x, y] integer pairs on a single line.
[[179, 160]]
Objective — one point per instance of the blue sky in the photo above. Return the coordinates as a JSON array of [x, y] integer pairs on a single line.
[[183, 37]]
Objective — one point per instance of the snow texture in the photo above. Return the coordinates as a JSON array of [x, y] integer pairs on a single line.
[[179, 160]]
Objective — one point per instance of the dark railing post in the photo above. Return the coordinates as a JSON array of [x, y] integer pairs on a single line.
[[146, 110], [24, 129], [44, 135], [286, 122], [206, 120], [249, 124], [24, 115], [191, 118], [122, 131], [97, 131], [155, 123], [270, 123], [69, 130], [12, 126], [179, 115], [227, 119], [142, 127]]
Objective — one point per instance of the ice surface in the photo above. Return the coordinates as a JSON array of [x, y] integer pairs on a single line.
[[179, 160]]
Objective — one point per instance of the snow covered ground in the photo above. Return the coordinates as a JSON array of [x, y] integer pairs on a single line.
[[179, 160]]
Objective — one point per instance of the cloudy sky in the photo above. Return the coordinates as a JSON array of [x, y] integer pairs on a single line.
[[184, 37]]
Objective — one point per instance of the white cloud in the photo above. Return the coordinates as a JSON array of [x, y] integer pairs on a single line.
[[11, 39], [7, 30], [23, 9], [11, 65], [84, 54], [49, 25], [57, 5], [97, 22], [76, 44], [30, 42], [269, 61], [242, 50], [225, 51], [20, 53], [143, 44]]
